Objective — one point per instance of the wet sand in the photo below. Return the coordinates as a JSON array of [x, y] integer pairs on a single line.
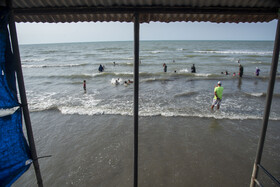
[[173, 151]]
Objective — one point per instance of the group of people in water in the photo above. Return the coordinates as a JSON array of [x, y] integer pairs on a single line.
[[118, 81], [193, 70], [218, 90], [240, 73]]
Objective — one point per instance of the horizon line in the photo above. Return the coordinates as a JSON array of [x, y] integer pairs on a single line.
[[140, 41]]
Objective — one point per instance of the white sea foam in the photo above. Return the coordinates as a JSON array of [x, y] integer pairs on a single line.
[[238, 52], [202, 74], [116, 81], [90, 106], [184, 70], [50, 66], [37, 59], [256, 94], [156, 52]]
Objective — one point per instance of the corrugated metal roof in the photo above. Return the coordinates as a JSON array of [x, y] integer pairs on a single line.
[[219, 11]]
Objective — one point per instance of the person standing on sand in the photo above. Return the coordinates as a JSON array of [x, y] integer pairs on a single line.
[[240, 70], [218, 93]]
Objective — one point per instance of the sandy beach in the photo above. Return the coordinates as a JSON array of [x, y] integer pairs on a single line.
[[97, 150]]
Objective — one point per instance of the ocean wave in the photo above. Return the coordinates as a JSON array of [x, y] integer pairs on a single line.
[[258, 53], [184, 70], [204, 75], [52, 66], [156, 52], [260, 94], [88, 104], [73, 76], [260, 62], [192, 56], [155, 79], [106, 49], [34, 59], [125, 64], [255, 94], [67, 110], [145, 76], [118, 74]]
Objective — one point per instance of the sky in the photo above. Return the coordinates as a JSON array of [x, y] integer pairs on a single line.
[[36, 33]]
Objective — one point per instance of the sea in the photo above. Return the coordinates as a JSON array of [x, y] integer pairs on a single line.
[[54, 75], [85, 137]]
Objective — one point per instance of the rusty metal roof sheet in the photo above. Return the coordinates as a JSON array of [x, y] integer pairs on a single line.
[[219, 11]]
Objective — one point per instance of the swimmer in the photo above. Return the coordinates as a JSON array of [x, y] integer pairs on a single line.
[[125, 83], [164, 67], [257, 71], [101, 68], [193, 70], [85, 86]]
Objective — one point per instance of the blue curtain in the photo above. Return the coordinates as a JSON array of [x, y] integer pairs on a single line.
[[14, 151]]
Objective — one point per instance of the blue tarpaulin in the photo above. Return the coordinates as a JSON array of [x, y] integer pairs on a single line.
[[7, 68], [14, 151]]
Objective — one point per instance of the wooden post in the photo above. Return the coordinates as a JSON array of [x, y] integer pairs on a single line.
[[273, 70], [22, 93], [136, 95]]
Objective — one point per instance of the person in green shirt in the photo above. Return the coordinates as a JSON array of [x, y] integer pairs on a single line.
[[218, 93]]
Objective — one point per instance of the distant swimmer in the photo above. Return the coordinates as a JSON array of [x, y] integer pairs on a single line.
[[114, 63], [129, 81], [101, 68], [240, 70], [85, 86], [164, 67], [218, 93], [226, 72], [234, 74], [125, 83], [193, 70], [257, 71]]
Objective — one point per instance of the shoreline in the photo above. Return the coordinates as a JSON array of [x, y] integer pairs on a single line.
[[173, 151]]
